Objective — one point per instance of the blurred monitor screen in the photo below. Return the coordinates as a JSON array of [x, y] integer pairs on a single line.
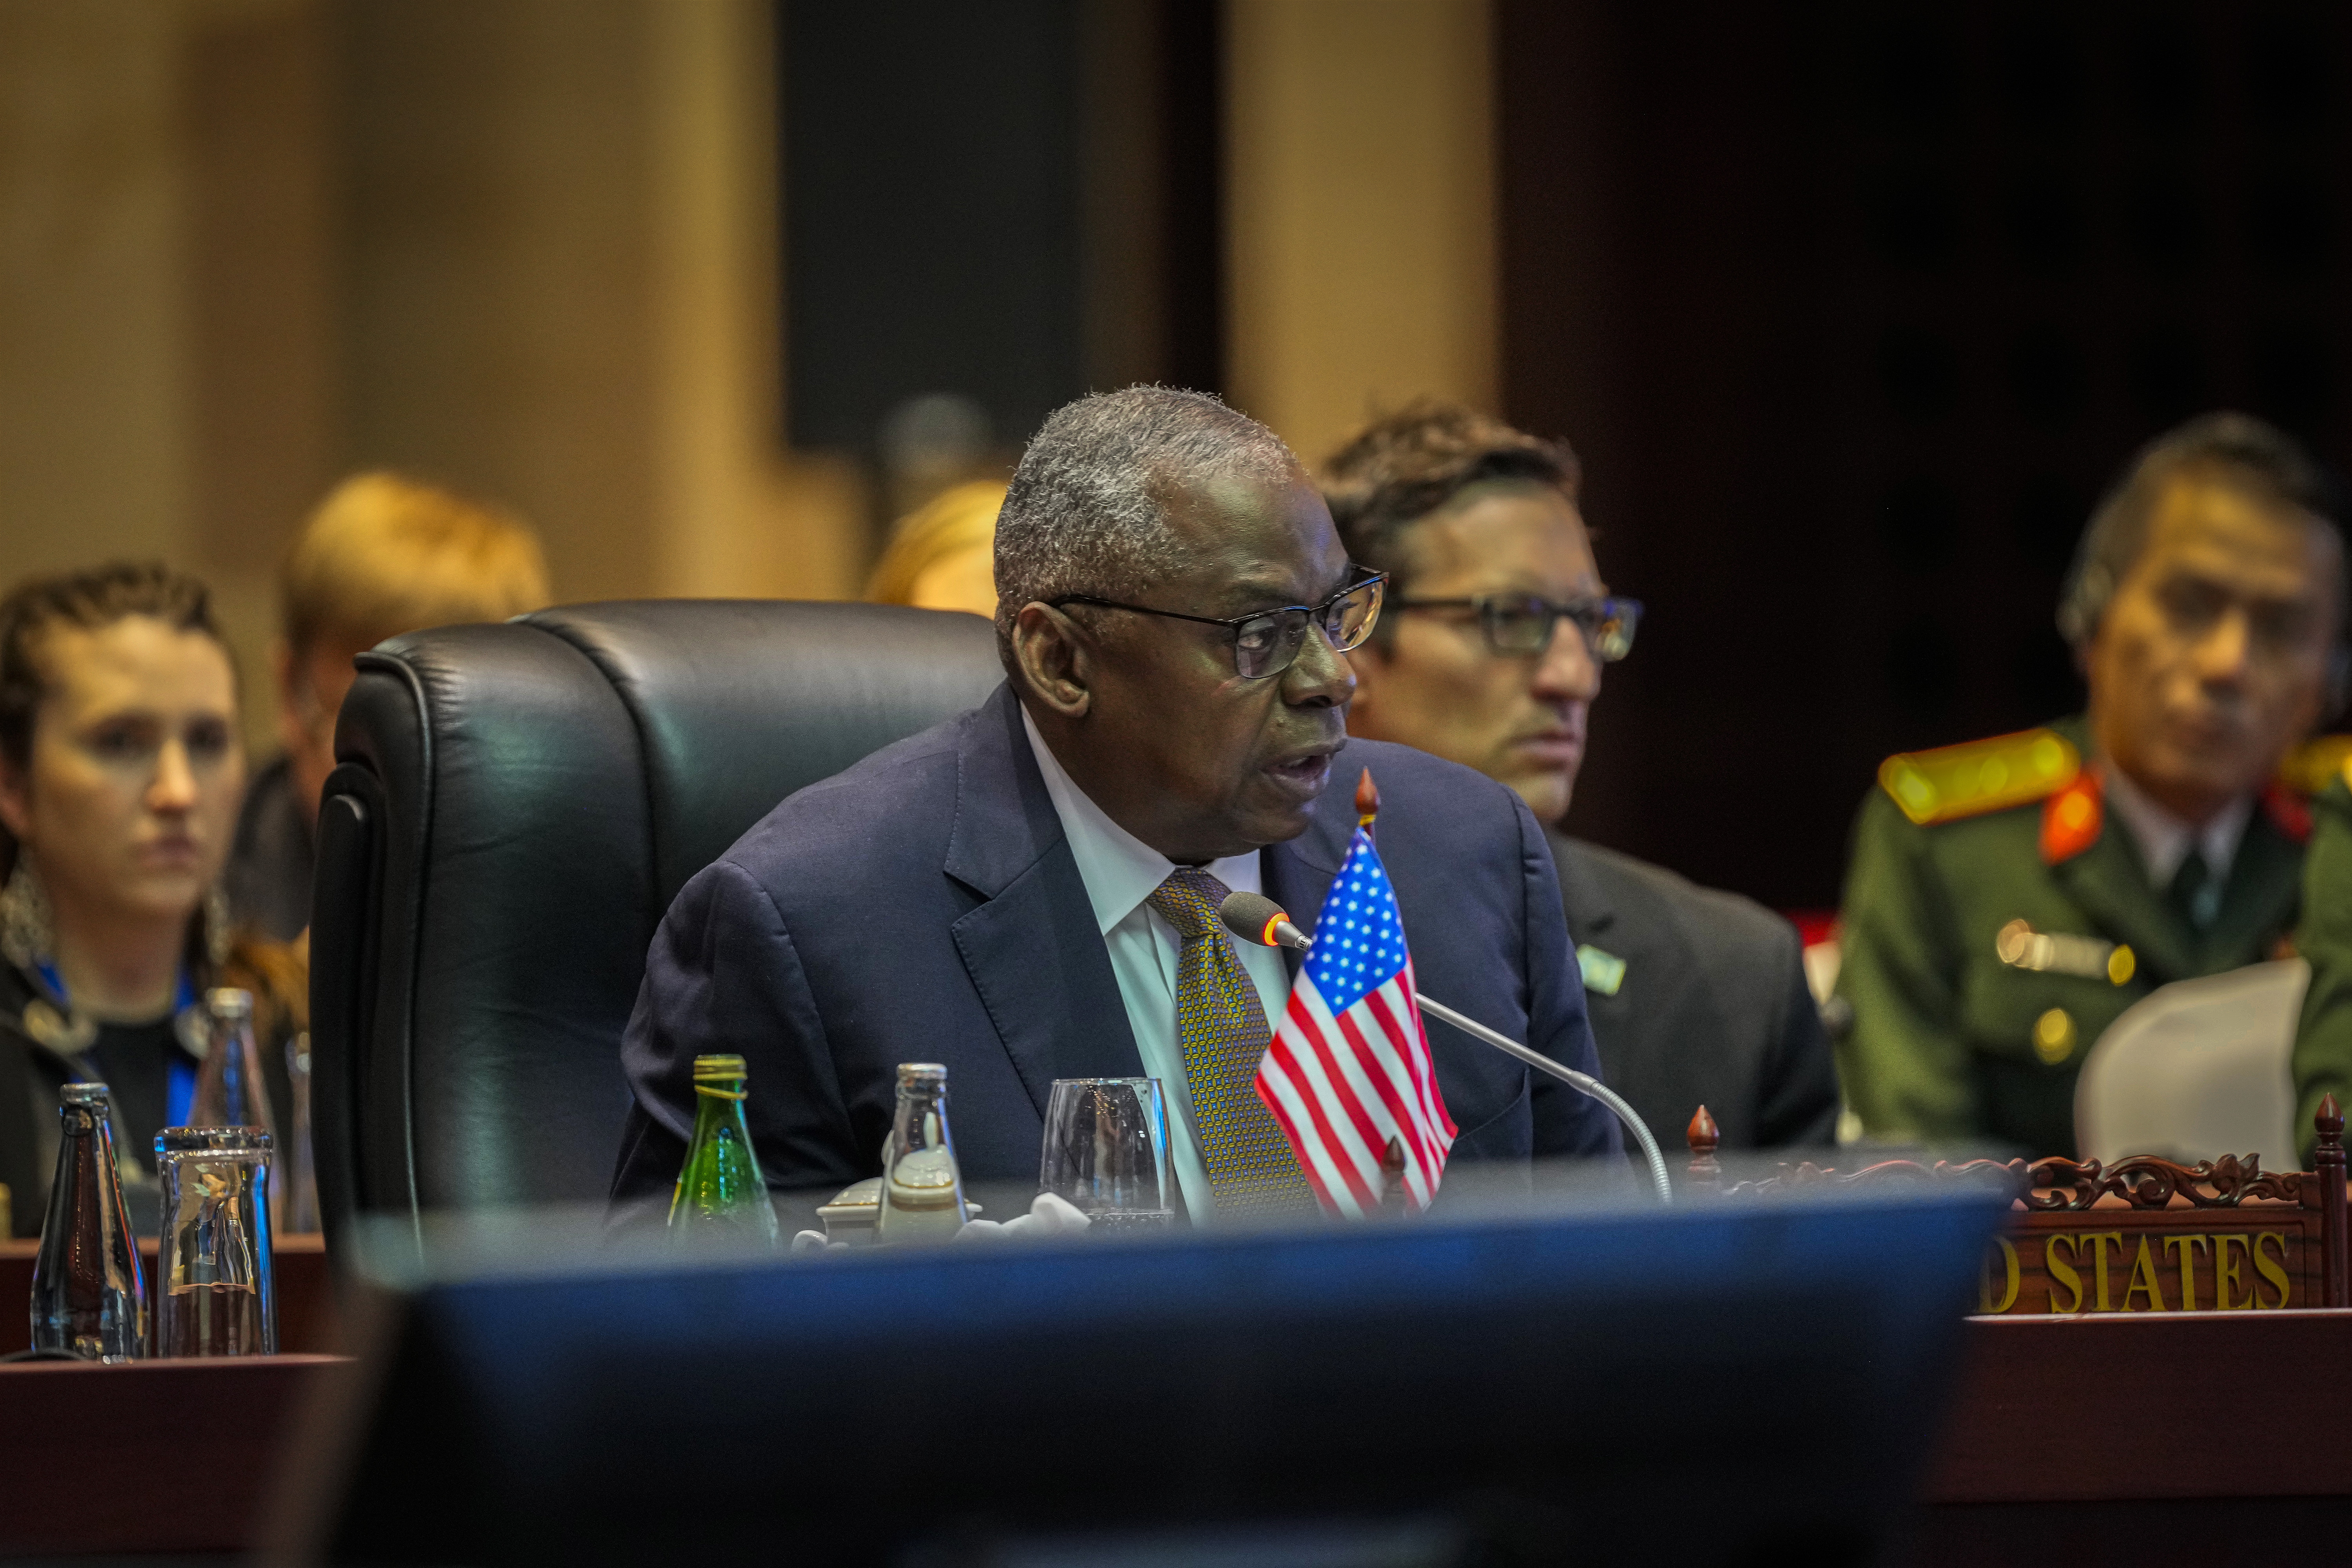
[[1524, 1382]]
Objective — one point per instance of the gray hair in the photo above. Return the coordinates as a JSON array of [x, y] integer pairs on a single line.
[[1087, 512], [2235, 449]]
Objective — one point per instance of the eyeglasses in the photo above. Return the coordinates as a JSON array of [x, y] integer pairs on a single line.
[[1523, 624], [1268, 643]]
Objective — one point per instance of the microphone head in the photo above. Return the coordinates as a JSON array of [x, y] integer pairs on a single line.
[[1252, 917]]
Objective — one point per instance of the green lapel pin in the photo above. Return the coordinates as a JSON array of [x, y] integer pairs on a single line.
[[1603, 972]]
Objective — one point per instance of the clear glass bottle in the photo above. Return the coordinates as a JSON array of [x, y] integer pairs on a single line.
[[922, 1189], [719, 1188], [230, 1091], [87, 1297], [215, 1279], [299, 1204]]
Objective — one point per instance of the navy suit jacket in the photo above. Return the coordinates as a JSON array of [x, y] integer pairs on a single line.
[[924, 906]]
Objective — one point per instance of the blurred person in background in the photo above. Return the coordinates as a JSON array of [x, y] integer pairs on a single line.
[[382, 555], [1490, 655], [119, 776], [2151, 838], [2323, 1047], [942, 555]]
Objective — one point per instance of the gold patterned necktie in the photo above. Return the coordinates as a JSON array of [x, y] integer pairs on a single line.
[[1222, 1030]]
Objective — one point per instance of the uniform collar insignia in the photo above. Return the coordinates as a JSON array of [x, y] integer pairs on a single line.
[[2288, 812], [2071, 819]]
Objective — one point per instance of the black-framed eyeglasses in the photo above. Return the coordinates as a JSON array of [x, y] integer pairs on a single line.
[[1523, 622], [1268, 642]]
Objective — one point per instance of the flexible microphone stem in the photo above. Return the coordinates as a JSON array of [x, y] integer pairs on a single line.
[[1585, 1083], [1257, 918]]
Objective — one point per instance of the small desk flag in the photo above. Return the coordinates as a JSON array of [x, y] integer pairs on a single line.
[[1350, 1069]]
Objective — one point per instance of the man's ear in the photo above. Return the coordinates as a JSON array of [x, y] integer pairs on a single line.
[[1054, 659]]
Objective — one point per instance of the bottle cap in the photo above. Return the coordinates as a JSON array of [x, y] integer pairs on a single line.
[[226, 1002], [921, 1075], [718, 1067], [93, 1095]]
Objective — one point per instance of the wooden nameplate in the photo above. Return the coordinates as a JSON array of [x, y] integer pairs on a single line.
[[2143, 1234]]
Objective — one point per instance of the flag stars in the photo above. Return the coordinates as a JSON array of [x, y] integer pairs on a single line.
[[1362, 941]]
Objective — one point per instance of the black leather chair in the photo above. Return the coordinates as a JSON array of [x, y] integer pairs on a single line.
[[513, 810]]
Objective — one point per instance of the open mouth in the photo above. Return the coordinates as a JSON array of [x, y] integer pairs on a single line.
[[1302, 776]]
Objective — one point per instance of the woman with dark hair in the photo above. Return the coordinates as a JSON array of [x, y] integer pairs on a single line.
[[120, 772]]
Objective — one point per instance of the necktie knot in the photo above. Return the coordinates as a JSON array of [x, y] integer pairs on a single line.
[[1189, 901]]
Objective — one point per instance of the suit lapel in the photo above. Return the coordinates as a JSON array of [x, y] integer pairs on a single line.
[[1032, 949], [2109, 881], [1589, 912], [2259, 902]]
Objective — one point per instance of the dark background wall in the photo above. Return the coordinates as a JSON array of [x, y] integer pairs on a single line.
[[1852, 310], [1004, 204]]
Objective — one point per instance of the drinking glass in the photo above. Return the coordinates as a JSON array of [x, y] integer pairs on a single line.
[[1106, 1151], [215, 1295]]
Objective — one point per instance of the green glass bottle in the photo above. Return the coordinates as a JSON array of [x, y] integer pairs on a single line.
[[719, 1189]]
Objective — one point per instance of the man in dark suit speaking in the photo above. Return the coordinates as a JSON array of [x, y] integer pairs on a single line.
[[1027, 891]]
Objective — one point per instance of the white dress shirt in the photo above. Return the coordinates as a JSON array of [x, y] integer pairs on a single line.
[[1121, 871], [2164, 840]]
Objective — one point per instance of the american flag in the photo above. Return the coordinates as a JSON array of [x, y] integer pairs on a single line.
[[1350, 1070]]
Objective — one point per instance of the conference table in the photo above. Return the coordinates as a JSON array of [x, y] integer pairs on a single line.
[[2126, 1439]]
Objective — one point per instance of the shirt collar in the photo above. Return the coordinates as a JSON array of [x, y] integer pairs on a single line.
[[1119, 870], [2164, 840]]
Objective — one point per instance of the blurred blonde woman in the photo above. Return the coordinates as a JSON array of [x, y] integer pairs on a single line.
[[383, 554], [119, 776], [942, 555]]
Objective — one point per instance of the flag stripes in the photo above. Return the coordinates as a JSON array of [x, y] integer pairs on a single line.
[[1349, 1071]]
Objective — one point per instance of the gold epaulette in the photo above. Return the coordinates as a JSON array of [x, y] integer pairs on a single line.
[[1968, 780], [2314, 765]]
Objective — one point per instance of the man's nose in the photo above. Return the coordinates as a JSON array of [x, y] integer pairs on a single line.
[[2226, 650], [174, 787], [1320, 676], [1566, 671]]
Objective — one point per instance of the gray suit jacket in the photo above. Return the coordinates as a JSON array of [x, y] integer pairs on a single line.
[[1712, 1008]]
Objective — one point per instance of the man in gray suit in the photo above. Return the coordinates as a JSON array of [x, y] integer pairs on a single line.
[[1696, 996]]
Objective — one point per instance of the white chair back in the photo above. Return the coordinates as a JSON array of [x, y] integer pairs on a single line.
[[2197, 1068]]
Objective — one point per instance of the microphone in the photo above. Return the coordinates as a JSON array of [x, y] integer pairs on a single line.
[[1255, 918]]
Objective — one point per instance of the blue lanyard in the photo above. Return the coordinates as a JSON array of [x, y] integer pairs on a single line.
[[180, 1085]]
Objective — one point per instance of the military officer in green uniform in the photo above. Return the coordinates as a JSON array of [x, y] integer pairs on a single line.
[[2323, 1049], [2007, 898]]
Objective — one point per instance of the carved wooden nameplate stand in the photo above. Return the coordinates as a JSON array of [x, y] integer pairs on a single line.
[[2143, 1234]]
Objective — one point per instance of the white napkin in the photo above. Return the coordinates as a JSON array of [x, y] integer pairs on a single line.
[[1049, 1216]]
